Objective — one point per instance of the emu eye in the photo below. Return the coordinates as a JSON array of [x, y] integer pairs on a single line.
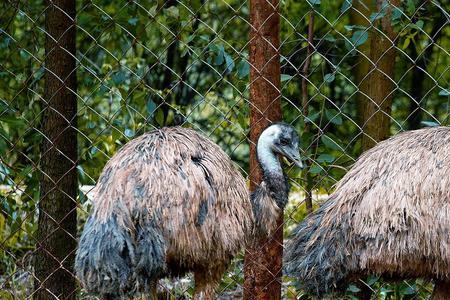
[[284, 142]]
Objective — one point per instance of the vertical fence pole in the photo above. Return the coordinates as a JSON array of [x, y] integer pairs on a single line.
[[263, 261], [58, 187]]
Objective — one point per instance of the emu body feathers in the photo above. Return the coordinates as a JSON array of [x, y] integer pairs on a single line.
[[169, 202], [166, 203], [389, 215]]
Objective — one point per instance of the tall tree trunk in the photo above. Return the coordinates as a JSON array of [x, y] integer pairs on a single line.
[[305, 106], [377, 90], [359, 15], [375, 60], [263, 260], [58, 188]]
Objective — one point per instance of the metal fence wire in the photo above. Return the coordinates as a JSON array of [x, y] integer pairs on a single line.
[[351, 74]]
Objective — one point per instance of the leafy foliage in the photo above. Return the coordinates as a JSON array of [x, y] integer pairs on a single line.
[[147, 64]]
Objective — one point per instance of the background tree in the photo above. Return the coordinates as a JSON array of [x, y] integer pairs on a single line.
[[263, 260], [146, 64], [378, 85], [56, 232]]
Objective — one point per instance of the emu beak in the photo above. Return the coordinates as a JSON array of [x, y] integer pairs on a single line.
[[293, 156]]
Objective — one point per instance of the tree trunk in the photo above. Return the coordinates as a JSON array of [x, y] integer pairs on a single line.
[[305, 106], [56, 233], [263, 261], [359, 15], [378, 86]]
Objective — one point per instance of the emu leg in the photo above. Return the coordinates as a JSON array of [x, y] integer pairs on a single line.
[[205, 289], [207, 281], [441, 290], [153, 295]]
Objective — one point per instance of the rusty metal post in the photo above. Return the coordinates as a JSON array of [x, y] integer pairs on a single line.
[[263, 261]]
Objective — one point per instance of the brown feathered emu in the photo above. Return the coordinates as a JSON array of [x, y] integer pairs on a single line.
[[171, 202], [389, 215]]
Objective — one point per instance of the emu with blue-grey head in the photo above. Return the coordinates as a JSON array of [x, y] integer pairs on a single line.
[[171, 202]]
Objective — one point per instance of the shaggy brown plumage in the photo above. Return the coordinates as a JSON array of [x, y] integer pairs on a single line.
[[182, 187], [389, 215], [170, 202]]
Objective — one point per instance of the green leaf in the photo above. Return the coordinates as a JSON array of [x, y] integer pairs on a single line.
[[410, 6], [328, 77], [329, 143], [375, 16], [153, 10], [285, 77], [328, 158], [408, 290], [151, 107], [133, 21], [4, 171], [229, 62], [312, 117], [397, 13], [348, 27], [346, 5], [118, 77], [372, 280], [315, 169], [205, 37], [351, 27], [430, 123], [173, 12], [353, 288], [314, 2], [26, 172], [93, 150], [3, 106], [82, 197], [359, 37], [129, 132], [329, 38], [334, 116], [81, 172], [420, 24], [243, 69], [444, 92], [6, 42], [13, 120], [24, 54], [3, 146], [406, 43], [220, 55]]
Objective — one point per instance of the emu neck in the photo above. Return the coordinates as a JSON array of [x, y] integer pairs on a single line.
[[269, 162], [273, 174]]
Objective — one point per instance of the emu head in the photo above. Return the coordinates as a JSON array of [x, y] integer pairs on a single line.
[[278, 139]]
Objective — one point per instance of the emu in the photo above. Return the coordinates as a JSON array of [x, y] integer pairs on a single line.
[[389, 216], [171, 202]]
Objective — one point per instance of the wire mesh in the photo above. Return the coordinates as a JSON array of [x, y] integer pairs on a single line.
[[346, 66]]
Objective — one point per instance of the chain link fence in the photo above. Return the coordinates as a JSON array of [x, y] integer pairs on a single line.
[[352, 73]]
